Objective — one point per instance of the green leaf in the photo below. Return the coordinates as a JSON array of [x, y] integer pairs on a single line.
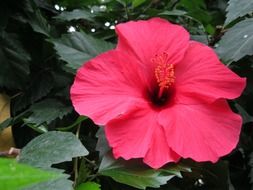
[[40, 85], [6, 123], [83, 173], [52, 148], [46, 111], [77, 3], [102, 144], [137, 174], [238, 8], [14, 176], [200, 38], [136, 3], [177, 12], [196, 9], [77, 47], [246, 117], [237, 42], [59, 184], [39, 23], [174, 12], [88, 186], [75, 15], [14, 62], [39, 129]]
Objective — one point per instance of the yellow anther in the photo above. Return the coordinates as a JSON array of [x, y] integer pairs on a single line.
[[164, 72]]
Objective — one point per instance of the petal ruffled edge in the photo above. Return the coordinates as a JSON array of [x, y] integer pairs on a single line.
[[201, 76], [159, 152], [105, 87], [130, 134], [201, 132], [147, 38], [138, 135]]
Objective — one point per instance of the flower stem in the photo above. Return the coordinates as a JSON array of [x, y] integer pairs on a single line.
[[75, 167]]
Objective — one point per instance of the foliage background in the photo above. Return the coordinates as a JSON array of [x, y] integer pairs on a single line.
[[43, 42]]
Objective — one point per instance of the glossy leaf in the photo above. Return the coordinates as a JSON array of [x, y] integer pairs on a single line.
[[52, 148], [61, 184], [6, 123], [14, 176], [88, 186], [14, 62], [174, 12], [77, 47], [233, 50], [46, 111], [137, 174], [137, 3], [238, 8], [75, 15], [39, 23], [102, 143]]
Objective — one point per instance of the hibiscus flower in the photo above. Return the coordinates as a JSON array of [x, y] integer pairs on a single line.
[[160, 96]]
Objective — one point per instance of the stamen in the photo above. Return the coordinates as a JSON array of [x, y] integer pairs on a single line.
[[164, 72]]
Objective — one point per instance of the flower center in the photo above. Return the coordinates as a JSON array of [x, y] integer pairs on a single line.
[[164, 73]]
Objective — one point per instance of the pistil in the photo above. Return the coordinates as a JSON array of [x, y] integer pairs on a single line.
[[164, 73]]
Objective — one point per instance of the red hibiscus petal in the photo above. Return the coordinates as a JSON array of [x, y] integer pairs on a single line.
[[130, 135], [201, 76], [106, 87], [201, 132], [159, 152], [138, 135], [145, 39]]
